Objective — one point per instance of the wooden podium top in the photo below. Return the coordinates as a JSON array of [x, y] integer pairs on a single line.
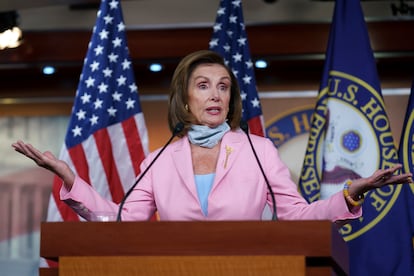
[[316, 240]]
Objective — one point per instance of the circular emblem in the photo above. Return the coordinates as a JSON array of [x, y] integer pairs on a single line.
[[406, 146], [289, 132], [350, 138]]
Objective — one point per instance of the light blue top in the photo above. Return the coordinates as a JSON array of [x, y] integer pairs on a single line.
[[204, 182]]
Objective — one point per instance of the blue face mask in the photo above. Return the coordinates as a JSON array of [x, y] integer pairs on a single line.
[[205, 136]]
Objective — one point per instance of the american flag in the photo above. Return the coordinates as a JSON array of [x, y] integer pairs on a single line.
[[106, 139], [229, 39]]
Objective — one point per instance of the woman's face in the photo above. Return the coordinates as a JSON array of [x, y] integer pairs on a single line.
[[209, 91]]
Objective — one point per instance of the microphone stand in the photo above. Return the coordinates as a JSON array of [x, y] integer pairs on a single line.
[[244, 126]]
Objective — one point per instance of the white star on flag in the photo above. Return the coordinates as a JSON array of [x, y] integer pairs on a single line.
[[230, 40], [106, 138]]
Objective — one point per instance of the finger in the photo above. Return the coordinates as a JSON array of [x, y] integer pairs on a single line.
[[393, 169], [32, 153], [17, 146], [399, 179], [20, 149], [389, 172], [20, 144], [38, 156]]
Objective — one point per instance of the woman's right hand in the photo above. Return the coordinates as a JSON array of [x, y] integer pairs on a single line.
[[48, 161]]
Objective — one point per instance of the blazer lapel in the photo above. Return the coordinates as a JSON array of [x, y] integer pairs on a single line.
[[229, 152], [181, 155]]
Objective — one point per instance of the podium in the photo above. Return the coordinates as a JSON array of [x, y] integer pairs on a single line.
[[194, 248]]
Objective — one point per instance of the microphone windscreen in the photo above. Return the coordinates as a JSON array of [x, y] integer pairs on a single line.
[[178, 128], [244, 126]]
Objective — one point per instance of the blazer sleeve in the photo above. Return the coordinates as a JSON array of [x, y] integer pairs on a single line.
[[290, 203], [86, 201]]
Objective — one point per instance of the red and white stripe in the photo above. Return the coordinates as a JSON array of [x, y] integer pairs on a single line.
[[109, 161]]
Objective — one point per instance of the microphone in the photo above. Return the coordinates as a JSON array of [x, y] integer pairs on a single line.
[[245, 127], [177, 129]]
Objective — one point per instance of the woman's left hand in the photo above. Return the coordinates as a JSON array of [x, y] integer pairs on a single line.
[[379, 179]]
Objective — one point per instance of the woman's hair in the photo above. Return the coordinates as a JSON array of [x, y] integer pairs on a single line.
[[179, 91]]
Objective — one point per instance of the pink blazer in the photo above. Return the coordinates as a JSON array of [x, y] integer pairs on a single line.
[[239, 191]]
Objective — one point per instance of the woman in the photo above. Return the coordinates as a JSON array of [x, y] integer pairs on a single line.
[[210, 173]]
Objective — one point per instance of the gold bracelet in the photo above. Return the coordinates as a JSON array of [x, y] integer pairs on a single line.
[[348, 198]]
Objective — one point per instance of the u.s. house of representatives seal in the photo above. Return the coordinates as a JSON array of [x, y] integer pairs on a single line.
[[350, 138]]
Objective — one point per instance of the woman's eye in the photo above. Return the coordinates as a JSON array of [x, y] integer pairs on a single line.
[[223, 87], [202, 86]]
